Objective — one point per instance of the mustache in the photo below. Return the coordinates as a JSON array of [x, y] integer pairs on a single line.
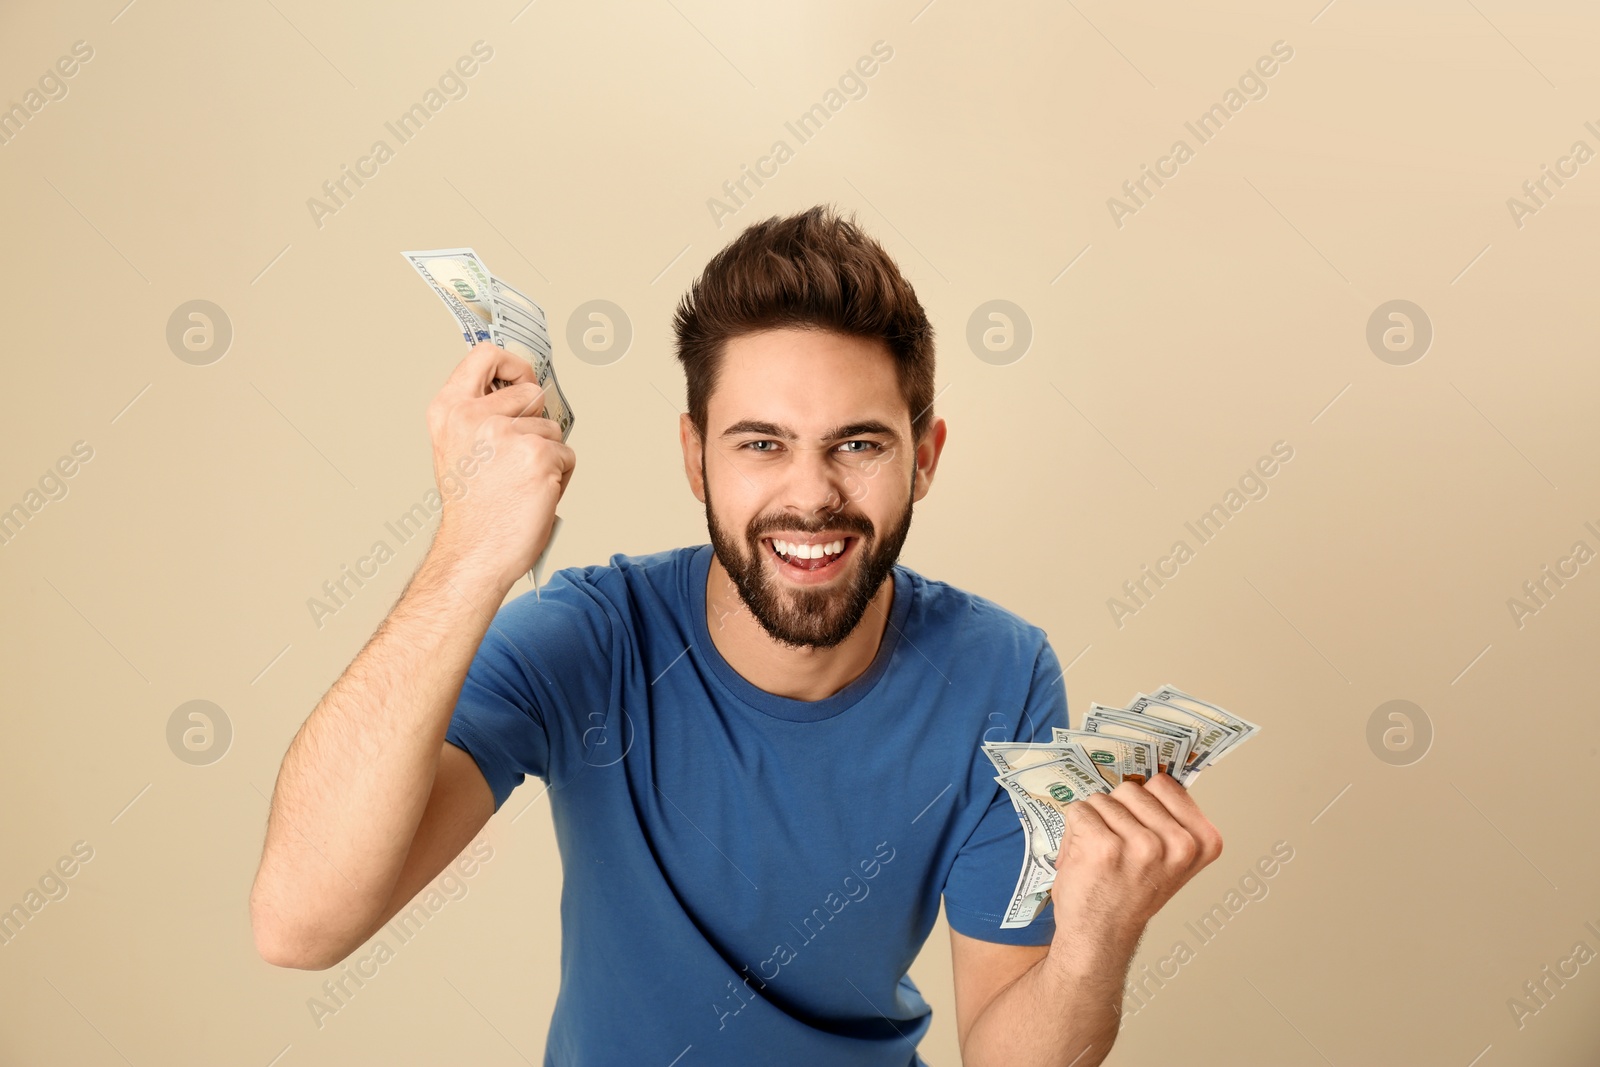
[[859, 526]]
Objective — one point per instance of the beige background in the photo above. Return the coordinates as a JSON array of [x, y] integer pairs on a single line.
[[1226, 314]]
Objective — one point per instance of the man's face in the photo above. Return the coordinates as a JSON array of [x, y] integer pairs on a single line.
[[808, 444]]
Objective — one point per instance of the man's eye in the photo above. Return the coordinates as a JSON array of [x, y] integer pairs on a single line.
[[873, 445], [751, 445]]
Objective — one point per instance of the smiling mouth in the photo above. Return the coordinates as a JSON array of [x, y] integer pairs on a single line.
[[821, 558]]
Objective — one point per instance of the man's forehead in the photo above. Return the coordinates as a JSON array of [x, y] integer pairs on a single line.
[[806, 384]]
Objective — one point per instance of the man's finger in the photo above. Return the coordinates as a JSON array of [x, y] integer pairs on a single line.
[[484, 362], [1137, 839], [1176, 839], [1085, 823], [538, 426], [514, 401], [1181, 806]]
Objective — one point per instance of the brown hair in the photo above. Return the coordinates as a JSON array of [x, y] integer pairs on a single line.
[[812, 270]]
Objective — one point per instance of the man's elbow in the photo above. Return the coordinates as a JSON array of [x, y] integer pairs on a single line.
[[289, 953], [282, 945]]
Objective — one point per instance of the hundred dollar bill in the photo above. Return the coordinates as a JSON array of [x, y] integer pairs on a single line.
[[1036, 829], [1009, 755], [1028, 899], [1037, 876], [449, 272], [1116, 758], [1243, 729], [521, 312], [1209, 734], [1040, 793], [1172, 745], [488, 309], [1014, 755], [1043, 791], [1169, 730], [1034, 880]]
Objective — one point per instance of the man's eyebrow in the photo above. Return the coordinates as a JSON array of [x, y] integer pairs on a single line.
[[854, 429], [757, 426], [870, 427]]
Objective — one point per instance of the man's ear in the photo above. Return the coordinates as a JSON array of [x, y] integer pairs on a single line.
[[693, 452], [927, 458]]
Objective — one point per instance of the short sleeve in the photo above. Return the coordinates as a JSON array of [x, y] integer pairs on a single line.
[[984, 874], [541, 653]]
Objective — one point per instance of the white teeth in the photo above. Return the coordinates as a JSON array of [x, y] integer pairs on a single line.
[[788, 548]]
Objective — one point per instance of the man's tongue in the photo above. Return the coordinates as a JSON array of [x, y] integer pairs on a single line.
[[811, 564]]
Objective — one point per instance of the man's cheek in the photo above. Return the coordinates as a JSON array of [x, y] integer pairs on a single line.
[[855, 487]]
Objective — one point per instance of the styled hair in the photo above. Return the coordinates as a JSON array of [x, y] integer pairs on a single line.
[[812, 270]]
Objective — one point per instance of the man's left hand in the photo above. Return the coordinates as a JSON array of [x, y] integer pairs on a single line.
[[1124, 855]]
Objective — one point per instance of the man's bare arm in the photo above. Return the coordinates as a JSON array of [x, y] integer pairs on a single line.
[[357, 778], [1062, 1011], [1125, 854]]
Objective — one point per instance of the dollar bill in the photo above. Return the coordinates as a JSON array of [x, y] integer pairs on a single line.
[[1030, 896], [1009, 755], [1173, 744], [1241, 728], [1209, 734], [1168, 730], [488, 309], [1013, 755], [1116, 758], [1040, 794], [444, 269]]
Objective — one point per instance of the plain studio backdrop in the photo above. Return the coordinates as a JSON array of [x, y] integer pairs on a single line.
[[1374, 252]]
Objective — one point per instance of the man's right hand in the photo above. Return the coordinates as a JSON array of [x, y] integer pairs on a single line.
[[500, 465]]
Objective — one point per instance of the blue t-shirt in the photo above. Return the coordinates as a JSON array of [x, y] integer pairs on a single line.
[[748, 877]]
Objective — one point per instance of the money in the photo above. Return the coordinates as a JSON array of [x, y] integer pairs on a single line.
[[1173, 743], [1168, 731], [1209, 736], [488, 309], [1117, 759], [1040, 794], [1242, 729]]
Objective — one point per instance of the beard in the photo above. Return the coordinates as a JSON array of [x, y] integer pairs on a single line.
[[799, 616]]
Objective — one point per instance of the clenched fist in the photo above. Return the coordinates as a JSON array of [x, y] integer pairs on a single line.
[[1125, 853], [500, 518]]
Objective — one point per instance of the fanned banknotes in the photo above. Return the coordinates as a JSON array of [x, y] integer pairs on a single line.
[[487, 309], [1166, 731]]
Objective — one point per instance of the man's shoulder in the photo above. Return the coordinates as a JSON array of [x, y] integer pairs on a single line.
[[623, 580], [595, 602], [942, 607], [661, 566]]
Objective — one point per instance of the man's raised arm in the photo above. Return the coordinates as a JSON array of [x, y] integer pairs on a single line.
[[357, 777]]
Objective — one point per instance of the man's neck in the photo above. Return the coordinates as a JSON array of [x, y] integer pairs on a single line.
[[798, 673]]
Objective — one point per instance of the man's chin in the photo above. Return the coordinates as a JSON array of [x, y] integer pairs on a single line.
[[808, 635], [795, 614]]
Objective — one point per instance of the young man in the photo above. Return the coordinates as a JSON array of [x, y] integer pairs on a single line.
[[762, 753]]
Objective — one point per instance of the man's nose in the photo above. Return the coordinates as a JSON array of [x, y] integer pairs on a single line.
[[816, 483]]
